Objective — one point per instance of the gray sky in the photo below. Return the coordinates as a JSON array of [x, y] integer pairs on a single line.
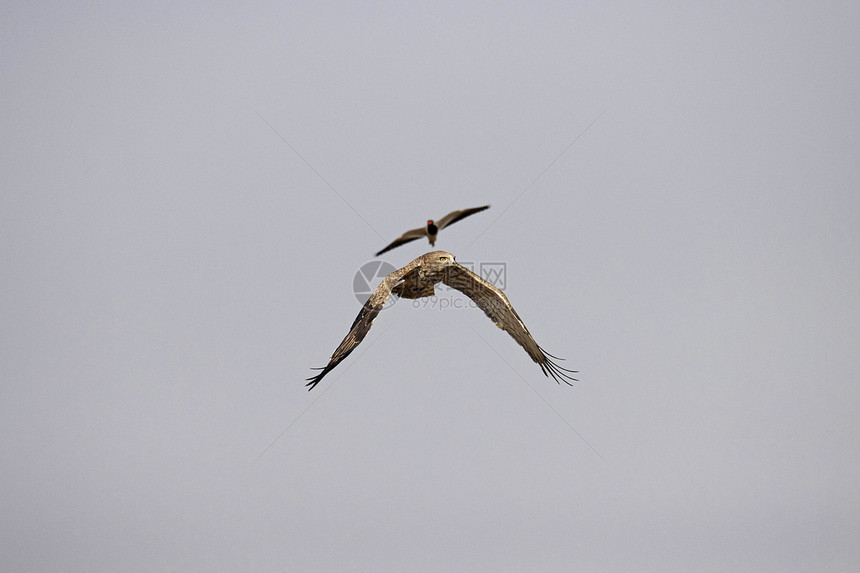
[[173, 269]]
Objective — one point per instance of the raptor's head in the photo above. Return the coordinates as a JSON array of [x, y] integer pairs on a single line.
[[439, 259]]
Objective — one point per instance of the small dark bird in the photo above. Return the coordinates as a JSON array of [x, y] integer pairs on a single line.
[[432, 228], [418, 279]]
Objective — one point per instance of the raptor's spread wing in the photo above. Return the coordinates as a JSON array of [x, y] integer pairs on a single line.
[[360, 326], [498, 308]]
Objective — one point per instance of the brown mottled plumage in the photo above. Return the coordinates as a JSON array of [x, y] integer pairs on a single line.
[[418, 279]]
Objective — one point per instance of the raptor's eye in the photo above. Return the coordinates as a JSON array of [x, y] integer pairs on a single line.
[[443, 259]]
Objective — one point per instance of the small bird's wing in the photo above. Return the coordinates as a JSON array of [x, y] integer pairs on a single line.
[[405, 238], [498, 308], [455, 216], [362, 323]]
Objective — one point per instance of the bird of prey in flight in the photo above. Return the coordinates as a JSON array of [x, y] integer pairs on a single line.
[[432, 228], [416, 280]]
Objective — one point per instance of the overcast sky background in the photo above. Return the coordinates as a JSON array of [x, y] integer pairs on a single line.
[[674, 191]]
